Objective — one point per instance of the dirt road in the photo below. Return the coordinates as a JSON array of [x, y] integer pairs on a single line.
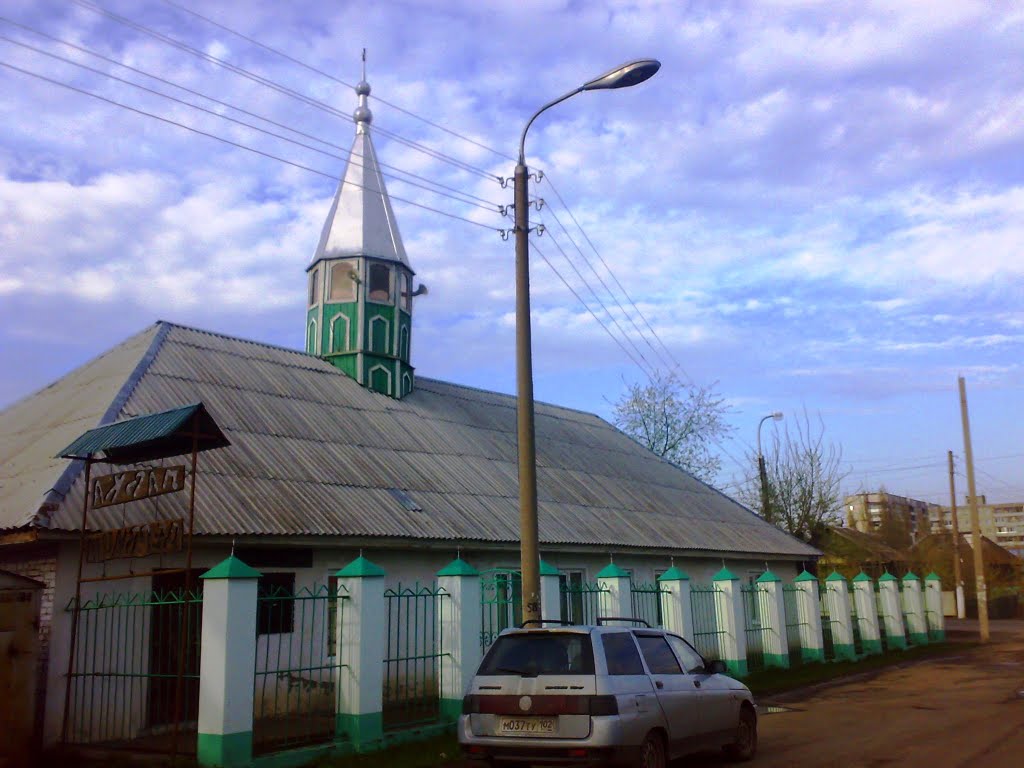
[[967, 710]]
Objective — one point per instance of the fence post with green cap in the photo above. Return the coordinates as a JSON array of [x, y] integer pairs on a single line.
[[891, 610], [550, 593], [913, 609], [867, 613], [616, 595], [729, 617], [775, 641], [812, 645], [933, 607], [459, 624], [227, 663], [676, 612], [360, 689], [837, 600]]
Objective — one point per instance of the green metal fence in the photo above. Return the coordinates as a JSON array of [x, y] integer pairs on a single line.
[[125, 690], [706, 632], [793, 624], [756, 610], [412, 664], [296, 665], [646, 601], [501, 603], [581, 602]]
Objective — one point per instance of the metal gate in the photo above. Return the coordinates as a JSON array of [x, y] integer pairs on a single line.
[[501, 603], [412, 664]]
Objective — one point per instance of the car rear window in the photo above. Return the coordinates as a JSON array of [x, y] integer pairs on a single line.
[[621, 655], [540, 653]]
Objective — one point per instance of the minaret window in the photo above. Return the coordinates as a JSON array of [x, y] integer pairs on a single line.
[[406, 296], [314, 287], [380, 283], [343, 282]]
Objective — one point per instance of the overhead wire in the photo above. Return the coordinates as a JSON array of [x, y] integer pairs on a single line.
[[329, 76], [458, 196], [282, 89], [230, 142]]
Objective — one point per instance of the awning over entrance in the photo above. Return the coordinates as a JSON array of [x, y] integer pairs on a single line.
[[154, 436]]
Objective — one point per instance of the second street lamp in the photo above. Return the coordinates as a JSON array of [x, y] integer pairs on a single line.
[[777, 416], [627, 75]]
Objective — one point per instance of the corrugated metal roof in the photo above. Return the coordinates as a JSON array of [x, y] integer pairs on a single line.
[[314, 453]]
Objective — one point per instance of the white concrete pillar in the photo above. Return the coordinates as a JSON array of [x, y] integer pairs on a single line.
[[459, 625], [808, 605], [933, 607], [913, 609], [837, 600], [676, 613], [227, 665], [891, 610], [774, 639], [867, 613], [616, 598], [550, 593], [361, 645], [729, 615]]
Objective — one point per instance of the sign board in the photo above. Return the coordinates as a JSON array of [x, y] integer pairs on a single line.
[[136, 484], [161, 537]]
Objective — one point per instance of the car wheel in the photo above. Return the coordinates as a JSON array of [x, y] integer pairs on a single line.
[[652, 752], [745, 745]]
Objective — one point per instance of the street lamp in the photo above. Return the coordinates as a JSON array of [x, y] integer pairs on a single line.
[[627, 75], [777, 416]]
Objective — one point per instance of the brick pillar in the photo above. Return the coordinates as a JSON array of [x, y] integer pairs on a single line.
[[729, 616], [892, 610], [867, 613], [459, 626], [616, 598], [776, 643], [676, 613], [933, 607], [550, 593], [837, 599], [913, 609], [812, 646]]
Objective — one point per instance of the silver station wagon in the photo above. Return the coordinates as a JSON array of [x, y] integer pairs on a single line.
[[601, 695]]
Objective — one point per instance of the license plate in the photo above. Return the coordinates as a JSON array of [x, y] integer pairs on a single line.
[[527, 726]]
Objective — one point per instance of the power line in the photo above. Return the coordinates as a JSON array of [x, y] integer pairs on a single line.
[[311, 68], [231, 143], [462, 197], [284, 90]]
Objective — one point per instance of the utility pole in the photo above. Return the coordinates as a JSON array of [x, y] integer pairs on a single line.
[[972, 500], [958, 578]]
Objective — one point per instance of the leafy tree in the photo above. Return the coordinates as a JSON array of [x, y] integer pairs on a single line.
[[804, 476], [678, 422]]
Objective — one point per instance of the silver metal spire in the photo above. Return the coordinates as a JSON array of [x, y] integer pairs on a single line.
[[363, 116]]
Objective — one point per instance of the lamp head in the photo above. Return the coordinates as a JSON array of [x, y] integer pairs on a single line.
[[627, 75], [777, 416]]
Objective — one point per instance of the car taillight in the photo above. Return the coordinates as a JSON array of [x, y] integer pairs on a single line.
[[603, 705]]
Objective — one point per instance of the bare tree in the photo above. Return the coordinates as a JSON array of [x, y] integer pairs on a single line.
[[804, 477], [678, 422]]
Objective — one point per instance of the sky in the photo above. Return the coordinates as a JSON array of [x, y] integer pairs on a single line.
[[815, 207]]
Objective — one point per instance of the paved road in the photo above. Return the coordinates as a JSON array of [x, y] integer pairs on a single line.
[[966, 710]]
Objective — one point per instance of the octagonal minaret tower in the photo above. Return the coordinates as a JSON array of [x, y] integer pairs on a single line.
[[359, 298]]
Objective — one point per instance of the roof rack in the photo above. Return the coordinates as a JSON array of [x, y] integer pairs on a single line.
[[542, 622], [602, 619]]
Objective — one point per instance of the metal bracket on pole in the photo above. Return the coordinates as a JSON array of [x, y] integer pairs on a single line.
[[538, 203], [504, 210], [505, 181], [505, 233]]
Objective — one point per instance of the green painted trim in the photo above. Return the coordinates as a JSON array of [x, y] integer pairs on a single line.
[[737, 667], [896, 641], [767, 577], [458, 567], [231, 568], [844, 652], [835, 576], [366, 731], [360, 568], [777, 660], [933, 576], [805, 576], [547, 570], [725, 575], [940, 635], [811, 655], [450, 710], [911, 576], [919, 638], [224, 750], [887, 577], [674, 574], [872, 647], [861, 577], [612, 571]]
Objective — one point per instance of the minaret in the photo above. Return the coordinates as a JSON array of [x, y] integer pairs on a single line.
[[360, 293]]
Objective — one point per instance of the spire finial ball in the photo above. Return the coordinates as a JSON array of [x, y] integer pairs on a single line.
[[362, 88]]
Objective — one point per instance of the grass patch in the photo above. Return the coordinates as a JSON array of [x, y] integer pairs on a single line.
[[438, 751], [773, 681]]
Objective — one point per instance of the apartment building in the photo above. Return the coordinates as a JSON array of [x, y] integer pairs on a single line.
[[885, 513], [1003, 523]]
